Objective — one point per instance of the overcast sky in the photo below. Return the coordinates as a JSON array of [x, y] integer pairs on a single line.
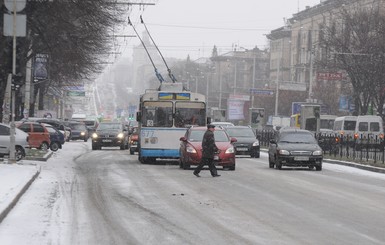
[[182, 27]]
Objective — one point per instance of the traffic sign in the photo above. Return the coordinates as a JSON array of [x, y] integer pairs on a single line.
[[17, 5], [262, 92]]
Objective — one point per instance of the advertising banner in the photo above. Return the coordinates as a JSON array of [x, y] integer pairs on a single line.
[[40, 67], [235, 109]]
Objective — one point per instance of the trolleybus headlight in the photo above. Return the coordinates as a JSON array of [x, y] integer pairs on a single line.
[[94, 135]]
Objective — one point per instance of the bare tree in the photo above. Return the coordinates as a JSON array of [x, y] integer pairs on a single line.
[[352, 40], [76, 34]]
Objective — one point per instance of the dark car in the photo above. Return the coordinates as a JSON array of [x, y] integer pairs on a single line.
[[247, 142], [110, 134], [57, 138], [295, 148], [133, 140], [79, 130], [191, 148]]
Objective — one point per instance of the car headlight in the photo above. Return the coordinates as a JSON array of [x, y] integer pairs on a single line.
[[230, 150], [256, 143], [191, 149], [120, 135], [94, 135], [82, 133], [317, 153], [283, 152]]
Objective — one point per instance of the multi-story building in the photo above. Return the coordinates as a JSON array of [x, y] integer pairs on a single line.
[[294, 50]]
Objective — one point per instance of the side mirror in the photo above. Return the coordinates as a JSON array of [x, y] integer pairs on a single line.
[[232, 140], [183, 139]]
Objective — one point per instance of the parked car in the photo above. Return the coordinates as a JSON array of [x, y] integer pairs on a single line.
[[38, 134], [110, 134], [247, 142], [191, 148], [133, 140], [295, 148], [56, 137], [79, 130], [59, 125], [21, 142]]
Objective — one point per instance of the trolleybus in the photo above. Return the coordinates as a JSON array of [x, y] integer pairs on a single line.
[[163, 117]]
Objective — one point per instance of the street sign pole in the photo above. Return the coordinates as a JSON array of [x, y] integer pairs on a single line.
[[12, 157], [13, 6]]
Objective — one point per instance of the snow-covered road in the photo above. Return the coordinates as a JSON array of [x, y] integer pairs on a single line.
[[108, 197]]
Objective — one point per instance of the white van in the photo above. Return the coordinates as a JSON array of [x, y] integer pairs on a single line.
[[345, 125], [369, 127]]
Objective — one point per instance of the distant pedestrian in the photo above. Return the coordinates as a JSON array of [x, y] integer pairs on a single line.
[[208, 151]]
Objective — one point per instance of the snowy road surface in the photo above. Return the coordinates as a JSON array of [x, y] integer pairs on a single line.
[[108, 197]]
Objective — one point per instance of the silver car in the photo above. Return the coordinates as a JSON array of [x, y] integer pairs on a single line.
[[21, 142]]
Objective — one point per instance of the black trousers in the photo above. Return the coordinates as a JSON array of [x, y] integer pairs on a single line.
[[209, 162]]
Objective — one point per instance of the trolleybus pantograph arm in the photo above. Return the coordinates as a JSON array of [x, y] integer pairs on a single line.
[[158, 75], [164, 61]]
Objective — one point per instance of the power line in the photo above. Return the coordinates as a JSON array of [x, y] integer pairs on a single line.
[[211, 28]]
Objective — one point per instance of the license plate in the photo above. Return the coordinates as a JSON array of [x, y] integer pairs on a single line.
[[216, 157], [301, 158], [242, 149], [107, 140]]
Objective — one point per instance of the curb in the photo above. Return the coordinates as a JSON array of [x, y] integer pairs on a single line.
[[43, 158], [5, 212], [356, 165]]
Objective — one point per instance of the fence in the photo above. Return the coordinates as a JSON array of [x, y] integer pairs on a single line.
[[344, 147]]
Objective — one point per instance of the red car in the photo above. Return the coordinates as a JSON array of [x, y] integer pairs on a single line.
[[191, 148], [38, 135], [133, 140]]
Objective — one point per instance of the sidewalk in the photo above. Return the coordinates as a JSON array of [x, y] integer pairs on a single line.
[[14, 181]]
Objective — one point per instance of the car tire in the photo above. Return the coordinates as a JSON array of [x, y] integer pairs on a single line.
[[122, 147], [132, 151], [19, 153], [318, 167], [232, 167], [54, 146], [44, 146], [94, 147], [257, 155], [85, 140]]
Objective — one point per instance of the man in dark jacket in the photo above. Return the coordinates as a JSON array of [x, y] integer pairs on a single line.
[[208, 151]]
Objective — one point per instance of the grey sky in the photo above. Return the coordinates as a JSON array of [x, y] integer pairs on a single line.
[[182, 27]]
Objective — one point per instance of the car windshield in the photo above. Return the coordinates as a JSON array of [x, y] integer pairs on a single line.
[[297, 138], [240, 132], [109, 126], [77, 126], [197, 136]]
